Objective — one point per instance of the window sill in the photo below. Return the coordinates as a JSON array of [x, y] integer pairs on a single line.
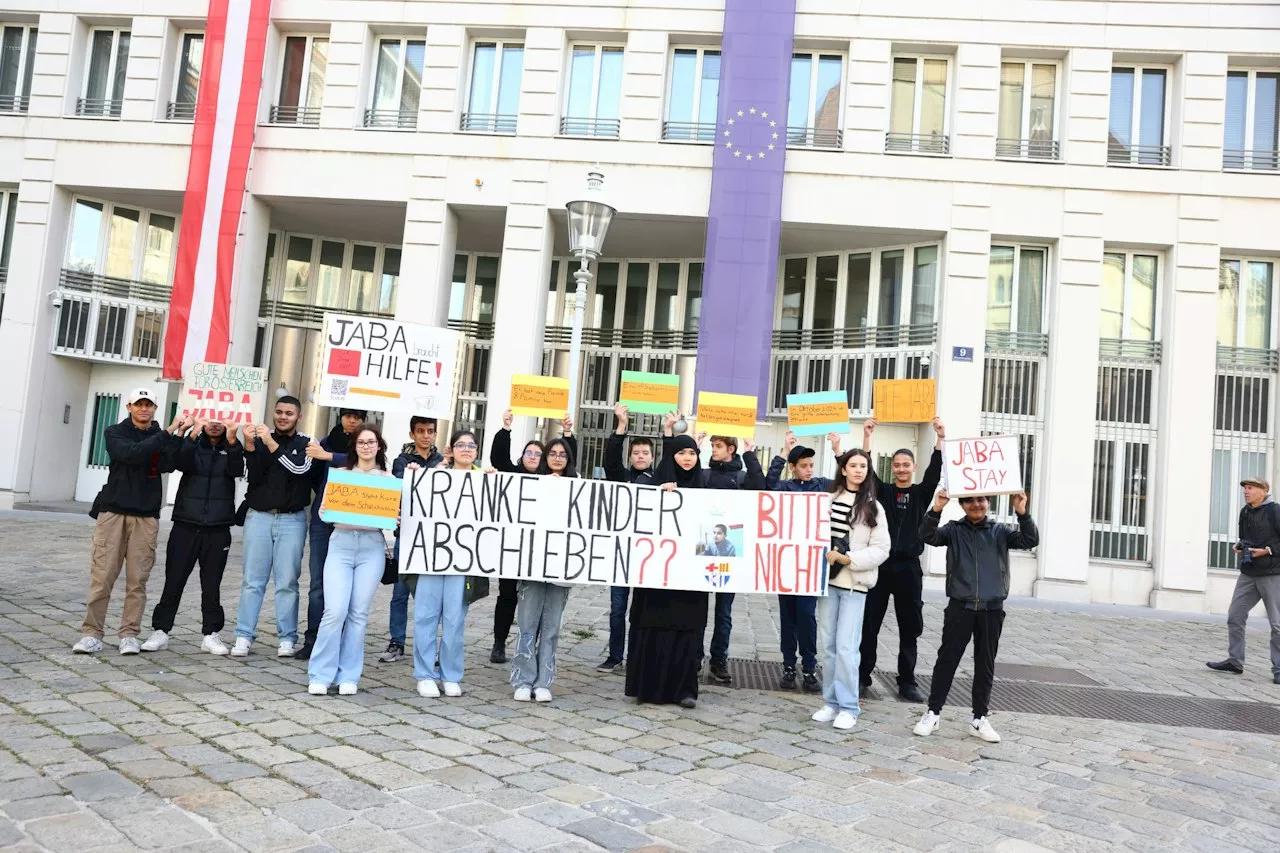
[[1241, 171], [599, 136], [175, 121], [1053, 160], [689, 141], [92, 118], [937, 155], [1156, 166], [487, 132], [380, 128]]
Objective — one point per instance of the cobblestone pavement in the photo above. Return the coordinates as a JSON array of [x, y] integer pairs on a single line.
[[180, 750]]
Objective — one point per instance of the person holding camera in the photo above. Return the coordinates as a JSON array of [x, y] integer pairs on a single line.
[[1259, 553]]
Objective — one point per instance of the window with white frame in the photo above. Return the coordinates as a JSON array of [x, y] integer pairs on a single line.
[[397, 83], [493, 99], [343, 275], [1129, 285], [1252, 121], [17, 59], [593, 97], [8, 214], [1246, 315], [693, 95], [1137, 131], [634, 303], [186, 80], [302, 73], [918, 116], [1015, 290], [121, 242], [473, 293], [103, 91], [1028, 110], [814, 104]]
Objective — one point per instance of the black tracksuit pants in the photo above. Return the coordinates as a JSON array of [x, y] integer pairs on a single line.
[[901, 579], [958, 625], [188, 545], [504, 610]]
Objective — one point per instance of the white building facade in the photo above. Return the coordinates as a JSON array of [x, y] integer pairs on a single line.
[[1068, 220]]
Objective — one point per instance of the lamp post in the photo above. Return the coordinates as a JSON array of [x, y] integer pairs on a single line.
[[589, 218]]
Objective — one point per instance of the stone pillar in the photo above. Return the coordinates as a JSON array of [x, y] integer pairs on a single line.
[[142, 83], [977, 101], [867, 109], [348, 43], [644, 80], [540, 82], [444, 75], [1088, 105], [246, 286]]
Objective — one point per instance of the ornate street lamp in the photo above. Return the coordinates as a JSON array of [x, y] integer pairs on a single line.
[[589, 219]]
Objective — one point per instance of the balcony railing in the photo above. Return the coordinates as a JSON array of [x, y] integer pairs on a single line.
[[119, 288], [399, 119], [601, 128], [814, 137], [1120, 348], [294, 115], [177, 111], [850, 371], [109, 319], [296, 314], [688, 131], [1263, 359], [1138, 155], [1261, 161], [922, 335], [14, 103], [488, 123], [1030, 343], [104, 107], [472, 330], [917, 143], [625, 338], [1027, 149]]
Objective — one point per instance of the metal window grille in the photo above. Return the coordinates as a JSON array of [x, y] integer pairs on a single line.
[[106, 411], [1013, 388], [1243, 438]]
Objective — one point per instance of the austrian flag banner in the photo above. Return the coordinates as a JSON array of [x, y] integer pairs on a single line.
[[235, 42]]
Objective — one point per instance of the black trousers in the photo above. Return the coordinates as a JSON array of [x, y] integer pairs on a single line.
[[504, 610], [958, 625], [187, 546], [903, 581]]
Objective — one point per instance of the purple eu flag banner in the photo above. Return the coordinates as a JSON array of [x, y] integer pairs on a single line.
[[744, 221]]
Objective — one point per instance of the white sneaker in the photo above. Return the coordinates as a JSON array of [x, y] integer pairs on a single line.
[[825, 714], [542, 694], [428, 689], [87, 645], [347, 688], [241, 649], [213, 645], [157, 641], [523, 694], [928, 724], [286, 649], [130, 646], [452, 688], [844, 720], [981, 728], [315, 688]]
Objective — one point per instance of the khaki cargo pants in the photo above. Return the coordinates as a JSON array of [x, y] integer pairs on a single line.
[[117, 539]]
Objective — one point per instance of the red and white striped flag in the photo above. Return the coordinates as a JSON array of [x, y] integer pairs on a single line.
[[235, 41]]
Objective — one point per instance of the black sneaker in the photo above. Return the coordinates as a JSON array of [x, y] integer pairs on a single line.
[[611, 664], [498, 655], [720, 672], [910, 692], [303, 653], [1226, 666], [788, 681], [811, 682], [688, 702], [394, 652]]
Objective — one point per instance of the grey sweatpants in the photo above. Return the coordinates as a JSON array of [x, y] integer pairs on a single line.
[[1249, 591]]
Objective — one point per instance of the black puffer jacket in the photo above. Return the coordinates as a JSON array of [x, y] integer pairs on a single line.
[[740, 472], [978, 556], [1260, 528], [207, 494], [138, 458]]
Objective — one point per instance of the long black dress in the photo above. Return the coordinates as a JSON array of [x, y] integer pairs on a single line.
[[667, 626]]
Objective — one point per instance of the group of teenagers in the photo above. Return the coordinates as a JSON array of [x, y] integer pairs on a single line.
[[878, 533]]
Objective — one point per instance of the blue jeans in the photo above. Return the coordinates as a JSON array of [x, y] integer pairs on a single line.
[[723, 626], [797, 613], [538, 616], [840, 614], [352, 574], [398, 618], [439, 598], [618, 621], [272, 545], [319, 536]]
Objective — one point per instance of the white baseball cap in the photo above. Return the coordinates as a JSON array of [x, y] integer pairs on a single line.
[[142, 394]]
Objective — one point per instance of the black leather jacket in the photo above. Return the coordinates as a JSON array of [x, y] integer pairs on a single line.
[[978, 556]]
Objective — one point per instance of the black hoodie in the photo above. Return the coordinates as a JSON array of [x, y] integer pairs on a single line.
[[138, 458], [207, 493]]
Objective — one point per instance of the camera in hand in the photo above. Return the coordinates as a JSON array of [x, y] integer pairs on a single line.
[[1246, 554]]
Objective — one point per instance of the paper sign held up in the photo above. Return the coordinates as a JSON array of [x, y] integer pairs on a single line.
[[649, 393], [539, 396], [726, 414], [388, 366], [224, 392], [990, 465], [818, 413], [368, 500], [906, 401]]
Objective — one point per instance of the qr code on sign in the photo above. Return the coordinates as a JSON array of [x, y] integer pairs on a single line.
[[338, 389]]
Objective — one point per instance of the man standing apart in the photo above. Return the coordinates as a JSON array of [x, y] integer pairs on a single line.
[[127, 512], [901, 575], [1259, 580], [282, 478]]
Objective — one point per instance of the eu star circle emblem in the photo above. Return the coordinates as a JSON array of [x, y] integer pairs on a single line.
[[749, 134]]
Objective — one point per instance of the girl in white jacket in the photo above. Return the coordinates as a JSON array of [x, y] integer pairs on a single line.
[[859, 544]]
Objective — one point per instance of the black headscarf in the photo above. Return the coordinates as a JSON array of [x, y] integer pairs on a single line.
[[670, 472]]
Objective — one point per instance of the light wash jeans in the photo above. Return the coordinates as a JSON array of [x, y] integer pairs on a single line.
[[352, 573], [439, 598], [840, 618], [538, 615], [272, 545]]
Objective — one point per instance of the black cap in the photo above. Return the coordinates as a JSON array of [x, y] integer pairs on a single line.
[[799, 452], [360, 413]]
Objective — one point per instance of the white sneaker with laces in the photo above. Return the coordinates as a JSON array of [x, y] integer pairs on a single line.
[[130, 646], [825, 714], [523, 694], [315, 688], [87, 645], [347, 688], [541, 694], [213, 644], [452, 688], [428, 689], [241, 648], [157, 641], [286, 649], [928, 724], [844, 720], [981, 728]]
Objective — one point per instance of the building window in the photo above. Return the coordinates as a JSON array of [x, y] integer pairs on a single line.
[[693, 95], [1129, 287], [17, 58], [493, 103], [918, 120], [115, 241], [397, 84], [106, 413], [1028, 110], [1015, 290], [593, 102], [814, 105], [1246, 318], [302, 72], [186, 84], [330, 274], [1250, 132], [103, 91], [1139, 119]]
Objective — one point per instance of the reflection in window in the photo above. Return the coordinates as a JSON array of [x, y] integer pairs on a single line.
[[693, 298], [858, 294], [485, 291], [666, 305], [891, 267], [157, 258], [121, 240], [86, 228]]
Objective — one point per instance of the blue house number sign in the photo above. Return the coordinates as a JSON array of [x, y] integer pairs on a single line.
[[962, 353]]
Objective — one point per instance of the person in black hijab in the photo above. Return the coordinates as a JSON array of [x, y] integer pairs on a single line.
[[665, 647]]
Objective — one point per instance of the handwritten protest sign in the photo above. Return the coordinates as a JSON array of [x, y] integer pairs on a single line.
[[224, 392], [539, 396], [388, 366], [649, 393], [818, 413], [354, 497], [982, 466], [726, 414], [906, 401], [593, 532]]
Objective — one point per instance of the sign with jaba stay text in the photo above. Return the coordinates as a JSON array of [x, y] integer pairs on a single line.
[[990, 465], [386, 365]]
